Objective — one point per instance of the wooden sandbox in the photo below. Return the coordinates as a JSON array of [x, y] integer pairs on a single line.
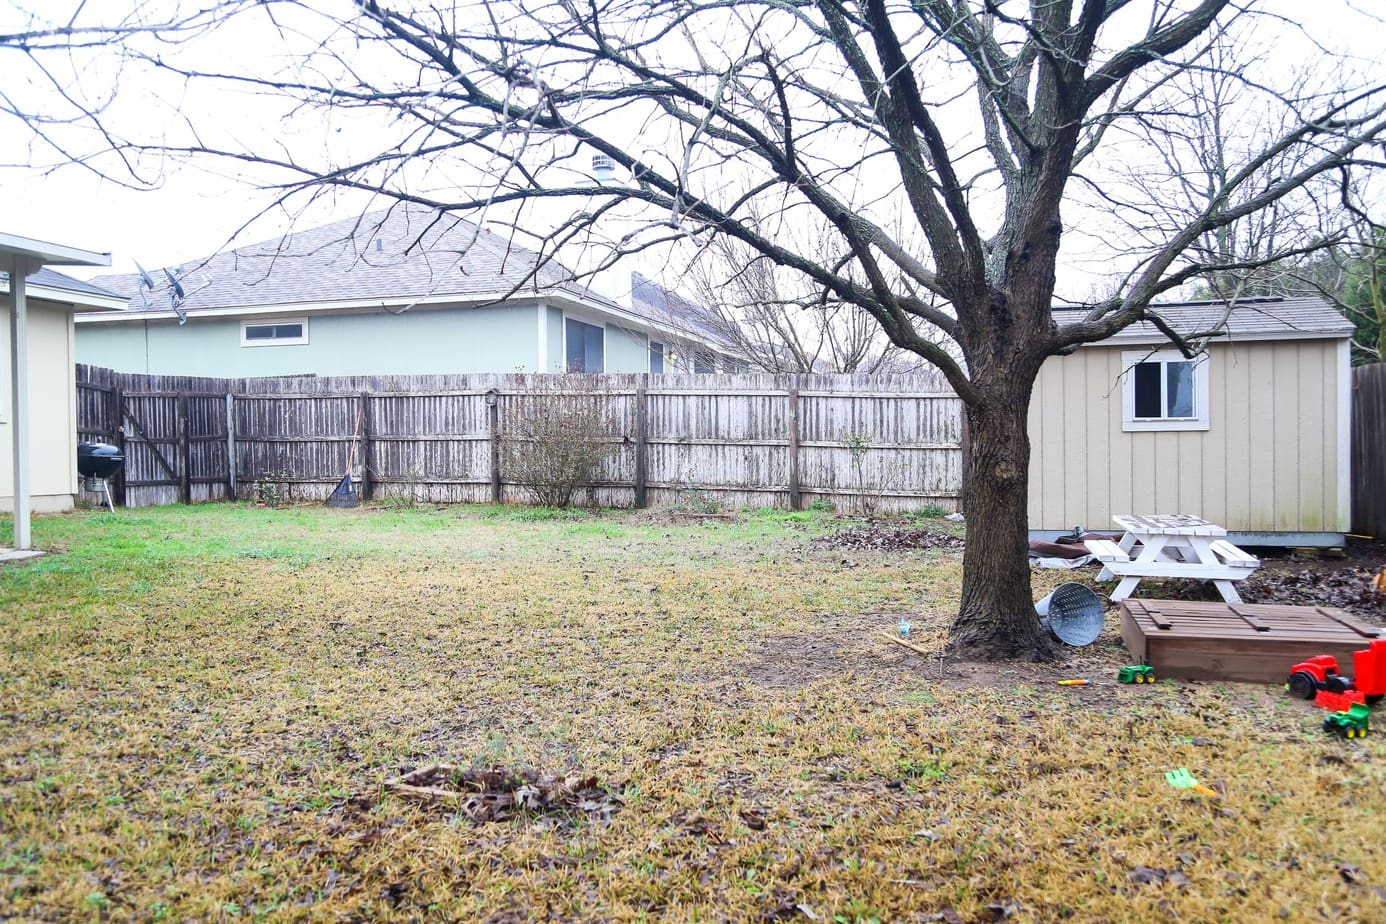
[[1249, 642]]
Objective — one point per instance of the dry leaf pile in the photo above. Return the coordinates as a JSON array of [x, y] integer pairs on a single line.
[[498, 794], [887, 537]]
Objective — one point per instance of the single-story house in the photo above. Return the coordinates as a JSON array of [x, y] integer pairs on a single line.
[[405, 290], [1254, 434], [38, 390]]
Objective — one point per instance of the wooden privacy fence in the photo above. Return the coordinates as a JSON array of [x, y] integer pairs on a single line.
[[1369, 450], [884, 443]]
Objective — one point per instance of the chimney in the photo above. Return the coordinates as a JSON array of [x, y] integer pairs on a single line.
[[603, 169]]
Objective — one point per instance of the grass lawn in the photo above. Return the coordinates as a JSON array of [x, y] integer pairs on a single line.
[[199, 708]]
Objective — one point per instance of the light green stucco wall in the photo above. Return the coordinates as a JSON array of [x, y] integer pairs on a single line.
[[420, 341], [626, 350]]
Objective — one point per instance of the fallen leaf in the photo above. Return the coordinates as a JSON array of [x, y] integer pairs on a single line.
[[1145, 875]]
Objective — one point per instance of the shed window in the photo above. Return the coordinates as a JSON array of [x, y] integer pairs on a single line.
[[1164, 391], [584, 346], [656, 357], [276, 332]]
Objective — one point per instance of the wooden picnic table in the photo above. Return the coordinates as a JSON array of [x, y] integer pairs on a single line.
[[1171, 546]]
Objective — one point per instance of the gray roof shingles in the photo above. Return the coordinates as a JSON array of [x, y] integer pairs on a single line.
[[1259, 317], [395, 255], [56, 280]]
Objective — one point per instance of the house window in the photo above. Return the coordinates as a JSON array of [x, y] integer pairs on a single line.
[[656, 357], [274, 332], [1164, 391], [584, 346], [703, 363]]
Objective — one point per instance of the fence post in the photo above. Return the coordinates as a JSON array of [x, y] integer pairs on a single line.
[[230, 447], [795, 497], [119, 396], [642, 441], [493, 421], [365, 414], [184, 450]]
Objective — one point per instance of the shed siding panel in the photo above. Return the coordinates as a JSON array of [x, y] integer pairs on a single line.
[[1268, 461], [1075, 430], [1229, 412], [1314, 418], [1122, 495], [1259, 401]]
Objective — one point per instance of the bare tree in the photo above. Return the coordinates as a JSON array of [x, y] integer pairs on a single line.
[[981, 120], [1216, 122], [776, 320]]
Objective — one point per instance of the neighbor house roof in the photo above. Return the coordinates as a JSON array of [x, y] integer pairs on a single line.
[[1249, 319], [50, 285], [683, 316], [403, 255]]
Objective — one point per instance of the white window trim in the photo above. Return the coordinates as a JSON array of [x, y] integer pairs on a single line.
[[1130, 423], [269, 322]]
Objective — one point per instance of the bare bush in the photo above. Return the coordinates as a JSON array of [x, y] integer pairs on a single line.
[[556, 437]]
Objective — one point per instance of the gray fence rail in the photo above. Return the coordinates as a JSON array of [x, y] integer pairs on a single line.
[[1369, 450], [885, 443]]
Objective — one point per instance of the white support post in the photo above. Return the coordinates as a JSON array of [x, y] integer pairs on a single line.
[[19, 399], [541, 357]]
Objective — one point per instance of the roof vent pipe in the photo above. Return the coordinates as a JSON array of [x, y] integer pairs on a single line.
[[603, 168]]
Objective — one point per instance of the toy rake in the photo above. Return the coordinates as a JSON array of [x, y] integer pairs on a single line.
[[1183, 779]]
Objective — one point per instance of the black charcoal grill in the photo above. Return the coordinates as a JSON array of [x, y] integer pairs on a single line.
[[97, 462]]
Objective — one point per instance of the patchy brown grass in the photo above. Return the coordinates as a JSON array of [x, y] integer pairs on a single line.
[[199, 709]]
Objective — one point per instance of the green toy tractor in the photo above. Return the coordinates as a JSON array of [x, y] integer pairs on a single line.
[[1349, 724], [1136, 673]]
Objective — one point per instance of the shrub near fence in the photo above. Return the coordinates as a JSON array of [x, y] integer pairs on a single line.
[[740, 440]]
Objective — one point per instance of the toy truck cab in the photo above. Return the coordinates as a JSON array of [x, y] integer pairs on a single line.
[[1137, 673], [1349, 724], [1320, 672], [1369, 669]]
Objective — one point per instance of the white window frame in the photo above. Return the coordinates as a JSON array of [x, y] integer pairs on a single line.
[[1130, 423], [279, 341]]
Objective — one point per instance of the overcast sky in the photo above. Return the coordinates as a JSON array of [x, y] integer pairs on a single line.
[[192, 213]]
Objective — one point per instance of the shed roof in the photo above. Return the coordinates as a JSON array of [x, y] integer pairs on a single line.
[[1307, 317]]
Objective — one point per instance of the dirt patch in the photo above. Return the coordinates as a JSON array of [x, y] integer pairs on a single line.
[[840, 643], [843, 644], [888, 538]]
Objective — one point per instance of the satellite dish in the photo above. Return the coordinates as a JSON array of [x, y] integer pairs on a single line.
[[146, 282], [176, 296]]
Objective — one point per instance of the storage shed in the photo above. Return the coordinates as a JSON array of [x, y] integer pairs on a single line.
[[1252, 435]]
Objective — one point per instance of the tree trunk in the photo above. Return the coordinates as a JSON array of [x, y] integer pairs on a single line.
[[997, 619]]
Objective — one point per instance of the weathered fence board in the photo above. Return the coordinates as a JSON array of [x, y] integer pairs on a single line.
[[1369, 450], [888, 443]]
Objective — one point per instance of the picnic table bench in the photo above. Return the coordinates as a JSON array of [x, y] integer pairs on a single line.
[[1176, 546]]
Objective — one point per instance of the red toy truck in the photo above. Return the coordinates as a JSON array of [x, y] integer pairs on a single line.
[[1307, 678]]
